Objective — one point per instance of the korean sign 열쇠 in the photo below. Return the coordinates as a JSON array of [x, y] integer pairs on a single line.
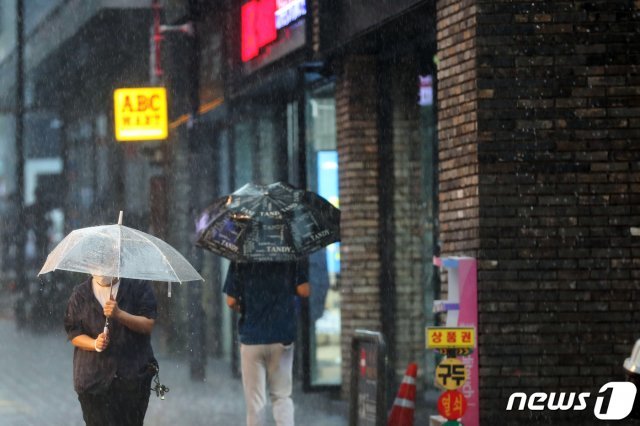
[[452, 405], [140, 114]]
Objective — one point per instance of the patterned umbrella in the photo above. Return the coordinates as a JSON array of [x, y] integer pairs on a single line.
[[276, 222]]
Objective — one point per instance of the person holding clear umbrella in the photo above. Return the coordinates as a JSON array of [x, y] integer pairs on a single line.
[[113, 365], [113, 361]]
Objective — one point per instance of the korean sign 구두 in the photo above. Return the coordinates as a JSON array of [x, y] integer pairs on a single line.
[[140, 114], [451, 374]]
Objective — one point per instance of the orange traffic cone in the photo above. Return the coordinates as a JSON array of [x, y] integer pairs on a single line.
[[404, 404]]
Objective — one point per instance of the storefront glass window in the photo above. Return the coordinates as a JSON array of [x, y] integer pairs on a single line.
[[324, 265], [429, 185], [410, 114], [243, 153]]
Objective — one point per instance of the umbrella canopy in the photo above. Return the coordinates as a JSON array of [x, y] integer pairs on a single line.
[[119, 251], [276, 222]]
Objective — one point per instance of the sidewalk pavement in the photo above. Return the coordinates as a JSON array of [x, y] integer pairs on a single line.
[[36, 386], [36, 389]]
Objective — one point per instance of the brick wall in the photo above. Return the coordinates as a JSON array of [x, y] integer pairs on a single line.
[[357, 144], [553, 173], [457, 127], [316, 27]]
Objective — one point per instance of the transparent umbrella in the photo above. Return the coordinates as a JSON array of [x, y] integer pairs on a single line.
[[122, 252]]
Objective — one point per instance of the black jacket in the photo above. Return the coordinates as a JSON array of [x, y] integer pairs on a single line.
[[128, 354]]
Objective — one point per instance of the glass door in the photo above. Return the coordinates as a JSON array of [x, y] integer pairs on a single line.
[[324, 353]]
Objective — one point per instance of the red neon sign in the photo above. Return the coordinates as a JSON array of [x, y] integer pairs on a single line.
[[258, 27]]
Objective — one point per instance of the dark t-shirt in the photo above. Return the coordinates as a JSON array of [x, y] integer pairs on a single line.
[[128, 354], [266, 293]]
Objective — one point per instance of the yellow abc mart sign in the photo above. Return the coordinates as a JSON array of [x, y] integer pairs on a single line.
[[140, 114]]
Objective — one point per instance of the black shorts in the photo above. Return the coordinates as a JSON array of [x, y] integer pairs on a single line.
[[124, 403]]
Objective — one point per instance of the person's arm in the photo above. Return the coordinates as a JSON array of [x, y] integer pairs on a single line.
[[138, 323], [88, 343], [303, 290], [231, 290], [232, 303], [76, 333]]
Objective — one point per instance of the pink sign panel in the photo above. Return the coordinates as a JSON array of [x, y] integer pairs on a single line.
[[463, 272]]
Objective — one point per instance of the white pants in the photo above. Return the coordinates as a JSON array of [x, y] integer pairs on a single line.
[[267, 366]]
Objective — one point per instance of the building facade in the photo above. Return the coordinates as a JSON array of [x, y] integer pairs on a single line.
[[529, 167], [333, 103], [503, 131], [538, 132]]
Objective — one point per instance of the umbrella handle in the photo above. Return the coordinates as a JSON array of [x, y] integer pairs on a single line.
[[106, 320]]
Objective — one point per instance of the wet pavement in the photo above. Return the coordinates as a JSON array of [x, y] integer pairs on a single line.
[[36, 388], [36, 384]]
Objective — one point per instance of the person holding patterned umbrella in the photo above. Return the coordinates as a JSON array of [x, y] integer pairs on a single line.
[[265, 230], [264, 294]]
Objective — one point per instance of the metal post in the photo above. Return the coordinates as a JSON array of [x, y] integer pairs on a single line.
[[156, 41], [20, 235], [386, 211], [196, 313], [197, 342], [187, 191]]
